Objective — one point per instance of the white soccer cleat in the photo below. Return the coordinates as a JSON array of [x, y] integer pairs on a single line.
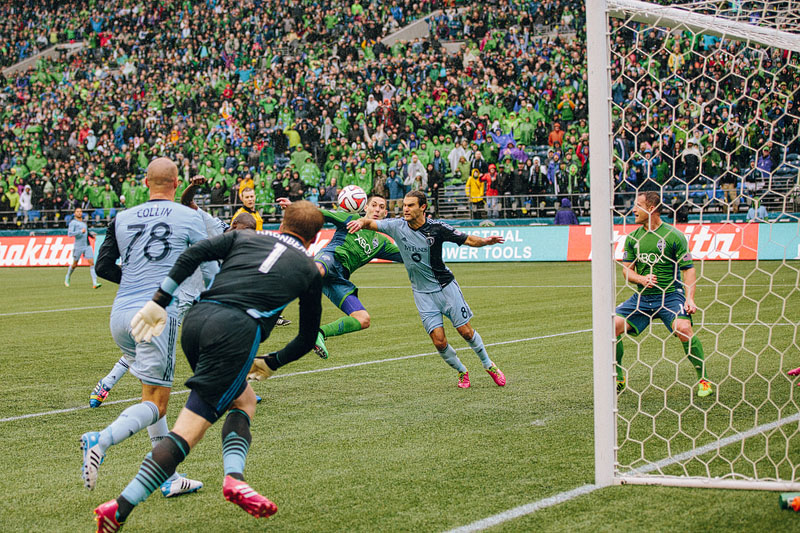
[[93, 456], [180, 485]]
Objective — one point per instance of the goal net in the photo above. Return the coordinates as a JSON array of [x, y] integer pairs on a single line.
[[697, 102]]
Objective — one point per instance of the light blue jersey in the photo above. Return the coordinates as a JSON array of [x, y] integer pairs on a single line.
[[192, 287], [79, 230], [149, 239], [421, 250]]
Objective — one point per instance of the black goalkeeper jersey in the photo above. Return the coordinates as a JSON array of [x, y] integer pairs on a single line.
[[262, 272]]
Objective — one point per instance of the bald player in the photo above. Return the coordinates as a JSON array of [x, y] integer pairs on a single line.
[[147, 239]]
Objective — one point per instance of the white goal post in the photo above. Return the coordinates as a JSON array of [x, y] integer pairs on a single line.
[[782, 472]]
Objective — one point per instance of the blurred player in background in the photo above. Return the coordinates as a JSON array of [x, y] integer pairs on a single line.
[[436, 292], [655, 256], [147, 239], [82, 247], [340, 258], [261, 274]]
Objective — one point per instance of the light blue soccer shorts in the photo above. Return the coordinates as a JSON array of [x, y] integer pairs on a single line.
[[85, 251], [152, 362], [449, 302]]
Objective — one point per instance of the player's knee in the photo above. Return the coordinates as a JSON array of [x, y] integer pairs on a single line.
[[683, 332], [466, 332], [364, 321], [619, 325], [440, 344]]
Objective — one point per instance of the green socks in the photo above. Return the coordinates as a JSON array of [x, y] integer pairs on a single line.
[[620, 351], [346, 324], [693, 349]]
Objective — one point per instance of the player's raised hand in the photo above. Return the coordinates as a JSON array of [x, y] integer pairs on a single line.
[[148, 322], [259, 371], [283, 202], [690, 306], [198, 180]]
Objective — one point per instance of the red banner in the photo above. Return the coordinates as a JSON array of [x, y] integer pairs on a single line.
[[706, 241], [50, 250]]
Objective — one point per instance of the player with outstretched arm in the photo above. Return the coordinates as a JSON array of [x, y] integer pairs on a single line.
[[345, 253], [436, 292]]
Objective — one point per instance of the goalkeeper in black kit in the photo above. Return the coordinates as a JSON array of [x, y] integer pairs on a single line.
[[262, 272]]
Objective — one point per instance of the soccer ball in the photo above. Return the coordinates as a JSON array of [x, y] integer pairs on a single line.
[[352, 199]]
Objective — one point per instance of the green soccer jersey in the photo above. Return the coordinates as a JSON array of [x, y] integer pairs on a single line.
[[354, 250], [663, 252]]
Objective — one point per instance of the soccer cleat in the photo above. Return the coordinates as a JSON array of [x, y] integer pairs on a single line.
[[66, 283], [282, 321], [93, 457], [106, 517], [258, 398], [463, 380], [97, 285], [244, 496], [704, 388], [319, 346], [180, 485], [99, 395], [497, 375], [620, 385]]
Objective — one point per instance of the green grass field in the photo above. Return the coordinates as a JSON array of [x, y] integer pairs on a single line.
[[391, 444]]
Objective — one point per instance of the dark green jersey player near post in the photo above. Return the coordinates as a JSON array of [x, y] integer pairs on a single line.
[[340, 258], [656, 255]]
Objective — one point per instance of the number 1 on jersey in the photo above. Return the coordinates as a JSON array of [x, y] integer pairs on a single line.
[[272, 258]]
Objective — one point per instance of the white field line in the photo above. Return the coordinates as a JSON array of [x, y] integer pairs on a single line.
[[530, 508], [17, 313], [303, 372]]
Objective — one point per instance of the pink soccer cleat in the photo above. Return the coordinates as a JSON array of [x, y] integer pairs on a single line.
[[106, 517], [795, 372], [463, 380], [497, 375], [244, 496]]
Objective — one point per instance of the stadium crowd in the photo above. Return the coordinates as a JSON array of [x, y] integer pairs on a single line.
[[300, 99]]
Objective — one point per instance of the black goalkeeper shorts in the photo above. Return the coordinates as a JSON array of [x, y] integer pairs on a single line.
[[220, 343]]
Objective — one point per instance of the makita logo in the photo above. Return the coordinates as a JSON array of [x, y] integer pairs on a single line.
[[706, 241], [36, 251], [720, 241]]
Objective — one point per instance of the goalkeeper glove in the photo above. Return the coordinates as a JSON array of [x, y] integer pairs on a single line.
[[148, 322], [263, 367]]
